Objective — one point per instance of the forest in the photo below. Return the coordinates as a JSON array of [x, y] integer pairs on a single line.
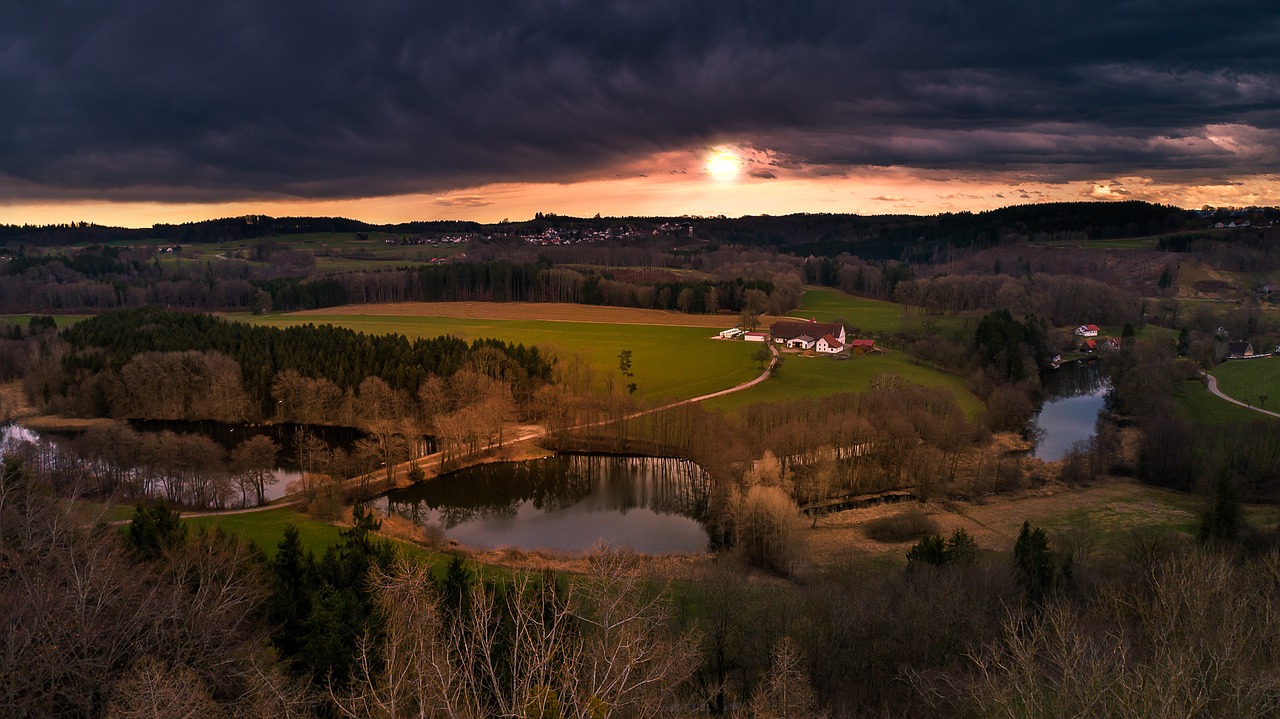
[[158, 364]]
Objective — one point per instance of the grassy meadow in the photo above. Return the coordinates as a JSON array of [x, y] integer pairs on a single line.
[[1249, 380], [1195, 401], [869, 316], [806, 377], [266, 528], [334, 251], [23, 320]]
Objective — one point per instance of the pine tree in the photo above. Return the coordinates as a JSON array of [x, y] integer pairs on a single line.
[[153, 531], [1034, 562], [293, 570]]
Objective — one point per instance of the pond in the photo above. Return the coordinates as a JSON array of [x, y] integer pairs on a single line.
[[288, 469], [567, 502], [1075, 394], [55, 445]]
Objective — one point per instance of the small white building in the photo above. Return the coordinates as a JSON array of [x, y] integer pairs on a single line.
[[730, 333], [830, 345], [1087, 331]]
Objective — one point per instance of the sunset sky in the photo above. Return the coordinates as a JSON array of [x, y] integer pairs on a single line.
[[140, 111]]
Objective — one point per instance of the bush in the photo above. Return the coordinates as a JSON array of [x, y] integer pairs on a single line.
[[903, 527]]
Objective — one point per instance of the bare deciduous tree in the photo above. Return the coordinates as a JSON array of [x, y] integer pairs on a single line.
[[595, 648]]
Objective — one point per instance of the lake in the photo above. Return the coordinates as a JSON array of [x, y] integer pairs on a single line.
[[567, 502], [286, 469], [1075, 394]]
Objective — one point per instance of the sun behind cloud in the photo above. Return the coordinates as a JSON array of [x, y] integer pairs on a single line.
[[723, 163]]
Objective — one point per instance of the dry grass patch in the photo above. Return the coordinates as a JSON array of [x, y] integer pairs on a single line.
[[1109, 511]]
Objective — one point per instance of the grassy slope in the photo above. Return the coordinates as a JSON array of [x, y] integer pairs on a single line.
[[802, 376], [266, 529], [869, 316], [1246, 380], [669, 362], [1196, 402]]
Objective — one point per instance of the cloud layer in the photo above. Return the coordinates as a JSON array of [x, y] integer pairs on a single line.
[[144, 100]]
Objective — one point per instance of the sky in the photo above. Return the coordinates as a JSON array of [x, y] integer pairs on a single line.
[[135, 112]]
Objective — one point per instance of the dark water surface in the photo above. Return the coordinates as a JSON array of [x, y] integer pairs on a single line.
[[1075, 395], [566, 502], [287, 469]]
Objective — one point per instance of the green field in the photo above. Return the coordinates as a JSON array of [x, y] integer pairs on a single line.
[[866, 316], [1250, 380], [1195, 401], [266, 529], [61, 320], [1146, 332], [371, 253], [802, 377], [869, 316], [669, 362]]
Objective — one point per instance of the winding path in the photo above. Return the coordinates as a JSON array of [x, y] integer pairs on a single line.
[[1213, 387]]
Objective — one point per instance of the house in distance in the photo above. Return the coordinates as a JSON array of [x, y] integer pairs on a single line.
[[828, 337]]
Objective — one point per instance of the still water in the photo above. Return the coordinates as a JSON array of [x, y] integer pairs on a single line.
[[1075, 395], [286, 470], [566, 502]]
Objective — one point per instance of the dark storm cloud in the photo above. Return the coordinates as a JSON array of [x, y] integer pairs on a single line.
[[151, 99]]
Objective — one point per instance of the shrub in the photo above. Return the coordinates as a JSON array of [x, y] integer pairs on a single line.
[[902, 527]]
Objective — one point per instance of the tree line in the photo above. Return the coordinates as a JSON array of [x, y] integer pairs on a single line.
[[136, 363]]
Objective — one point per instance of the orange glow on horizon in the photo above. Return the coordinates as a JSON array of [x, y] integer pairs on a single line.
[[673, 185]]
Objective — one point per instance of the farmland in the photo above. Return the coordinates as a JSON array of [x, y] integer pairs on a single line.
[[669, 362], [867, 315], [806, 377]]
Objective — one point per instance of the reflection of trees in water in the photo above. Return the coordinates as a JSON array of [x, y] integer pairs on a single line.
[[1076, 379], [663, 485]]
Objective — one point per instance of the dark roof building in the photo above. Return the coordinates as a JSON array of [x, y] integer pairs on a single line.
[[785, 330], [1239, 349]]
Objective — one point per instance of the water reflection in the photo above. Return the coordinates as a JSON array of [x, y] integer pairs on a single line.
[[567, 502], [64, 453], [1075, 395]]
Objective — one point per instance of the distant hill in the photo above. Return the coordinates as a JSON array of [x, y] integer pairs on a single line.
[[897, 237]]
